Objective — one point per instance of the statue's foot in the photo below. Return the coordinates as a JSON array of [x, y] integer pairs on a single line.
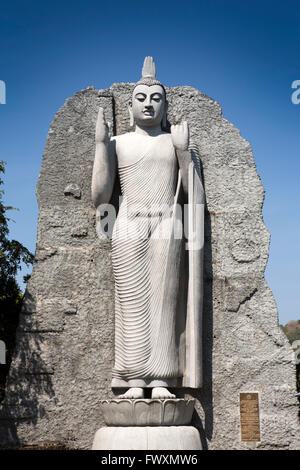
[[161, 392], [133, 392]]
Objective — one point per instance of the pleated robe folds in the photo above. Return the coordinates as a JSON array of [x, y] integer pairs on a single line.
[[158, 275]]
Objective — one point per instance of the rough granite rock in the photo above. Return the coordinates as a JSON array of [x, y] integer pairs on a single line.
[[64, 350]]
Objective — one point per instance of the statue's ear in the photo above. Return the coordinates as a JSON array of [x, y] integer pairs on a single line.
[[164, 119], [131, 120]]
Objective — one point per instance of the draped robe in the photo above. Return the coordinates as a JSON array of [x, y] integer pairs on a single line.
[[158, 288]]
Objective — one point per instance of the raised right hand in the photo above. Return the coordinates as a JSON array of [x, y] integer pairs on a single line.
[[102, 128], [180, 136]]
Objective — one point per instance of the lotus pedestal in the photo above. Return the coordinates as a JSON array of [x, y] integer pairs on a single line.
[[147, 425]]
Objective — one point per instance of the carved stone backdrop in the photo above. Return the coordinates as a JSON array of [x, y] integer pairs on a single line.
[[64, 349]]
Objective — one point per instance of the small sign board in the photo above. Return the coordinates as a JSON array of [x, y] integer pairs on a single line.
[[249, 415]]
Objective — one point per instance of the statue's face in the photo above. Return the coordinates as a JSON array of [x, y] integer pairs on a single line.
[[148, 105]]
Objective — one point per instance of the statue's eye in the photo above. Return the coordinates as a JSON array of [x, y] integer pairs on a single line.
[[140, 97], [156, 98]]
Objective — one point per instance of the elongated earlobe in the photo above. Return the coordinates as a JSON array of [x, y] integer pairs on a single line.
[[164, 119], [131, 120]]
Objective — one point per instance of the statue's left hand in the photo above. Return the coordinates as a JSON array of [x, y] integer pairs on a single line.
[[102, 128], [180, 135]]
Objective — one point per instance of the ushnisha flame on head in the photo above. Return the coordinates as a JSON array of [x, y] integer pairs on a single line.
[[143, 90], [149, 74]]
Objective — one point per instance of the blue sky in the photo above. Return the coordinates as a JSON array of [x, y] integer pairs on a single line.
[[243, 54]]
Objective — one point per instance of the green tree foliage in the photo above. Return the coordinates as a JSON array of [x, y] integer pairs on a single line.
[[292, 330], [12, 255]]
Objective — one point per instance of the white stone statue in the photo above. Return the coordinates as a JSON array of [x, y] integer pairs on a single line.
[[158, 282]]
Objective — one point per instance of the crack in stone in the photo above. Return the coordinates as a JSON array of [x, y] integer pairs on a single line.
[[246, 299]]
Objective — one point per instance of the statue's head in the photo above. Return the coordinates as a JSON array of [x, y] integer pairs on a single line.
[[149, 105]]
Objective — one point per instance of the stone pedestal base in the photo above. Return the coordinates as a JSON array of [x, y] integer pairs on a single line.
[[147, 438], [147, 425]]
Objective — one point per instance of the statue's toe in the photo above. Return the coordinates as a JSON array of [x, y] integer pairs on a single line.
[[133, 393], [161, 392]]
